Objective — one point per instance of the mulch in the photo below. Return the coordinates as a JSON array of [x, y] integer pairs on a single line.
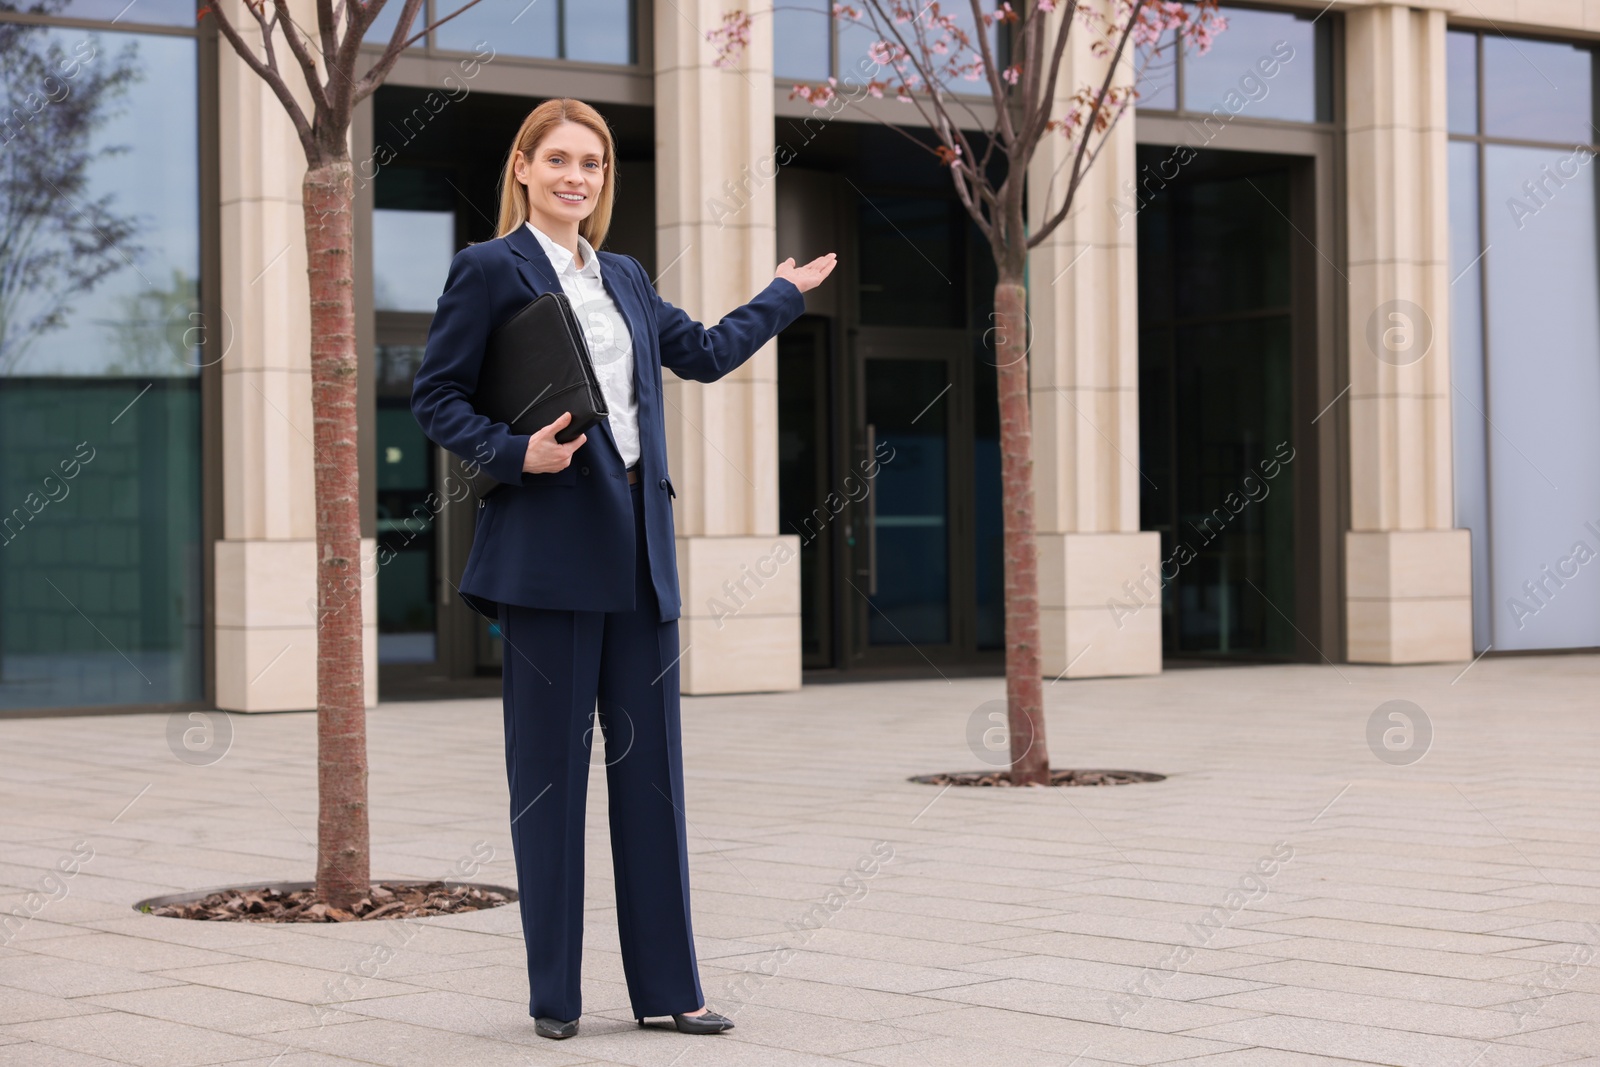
[[387, 900], [1058, 776]]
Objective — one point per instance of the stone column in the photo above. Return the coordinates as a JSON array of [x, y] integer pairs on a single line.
[[1408, 572], [716, 238], [1099, 590], [266, 631]]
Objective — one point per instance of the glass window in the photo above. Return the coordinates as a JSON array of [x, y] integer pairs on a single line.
[[910, 249], [1544, 390], [1461, 72], [597, 31], [1537, 90], [1265, 65], [513, 27], [593, 31], [856, 37], [1525, 316], [382, 27], [1467, 420], [100, 350], [411, 253], [800, 32], [1158, 75], [158, 12]]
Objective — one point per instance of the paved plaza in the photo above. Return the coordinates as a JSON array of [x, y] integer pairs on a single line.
[[1301, 890]]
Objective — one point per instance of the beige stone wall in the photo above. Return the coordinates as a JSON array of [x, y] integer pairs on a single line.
[[1083, 302], [715, 126], [1407, 571]]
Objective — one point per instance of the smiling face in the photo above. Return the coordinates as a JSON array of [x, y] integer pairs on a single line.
[[564, 178]]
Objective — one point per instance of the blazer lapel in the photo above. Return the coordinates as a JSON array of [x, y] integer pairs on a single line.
[[539, 274]]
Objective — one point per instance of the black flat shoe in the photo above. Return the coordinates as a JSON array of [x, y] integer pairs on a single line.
[[708, 1022], [554, 1028]]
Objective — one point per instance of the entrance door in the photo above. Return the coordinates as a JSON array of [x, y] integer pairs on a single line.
[[1223, 304], [889, 473]]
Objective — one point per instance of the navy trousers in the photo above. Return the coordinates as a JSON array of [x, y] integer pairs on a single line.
[[559, 665]]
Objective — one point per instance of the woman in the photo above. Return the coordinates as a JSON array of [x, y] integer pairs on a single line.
[[575, 559]]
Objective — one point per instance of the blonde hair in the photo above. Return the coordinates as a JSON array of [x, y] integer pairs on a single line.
[[539, 123]]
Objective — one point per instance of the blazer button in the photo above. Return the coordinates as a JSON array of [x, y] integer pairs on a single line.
[[583, 470], [663, 483]]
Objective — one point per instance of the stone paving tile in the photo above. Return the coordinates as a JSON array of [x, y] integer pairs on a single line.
[[1411, 960], [1396, 936], [1112, 977], [300, 1059], [226, 1010], [1173, 930], [139, 953], [71, 978], [1417, 908], [785, 991], [1481, 1023], [268, 978], [887, 976], [1092, 1005], [1139, 954], [1374, 1044], [1262, 1057], [34, 1054], [145, 1042], [1066, 1038], [1581, 1037], [400, 1044], [22, 1005], [1401, 985]]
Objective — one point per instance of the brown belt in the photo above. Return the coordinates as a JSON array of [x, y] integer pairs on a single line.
[[633, 475]]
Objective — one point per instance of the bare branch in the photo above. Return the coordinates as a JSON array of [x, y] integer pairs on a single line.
[[397, 45], [302, 55], [1089, 123], [268, 71]]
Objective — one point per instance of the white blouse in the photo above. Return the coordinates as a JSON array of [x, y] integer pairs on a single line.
[[606, 331]]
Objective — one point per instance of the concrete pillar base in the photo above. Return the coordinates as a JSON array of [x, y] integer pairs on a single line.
[[1408, 596], [267, 625], [740, 629], [1100, 604]]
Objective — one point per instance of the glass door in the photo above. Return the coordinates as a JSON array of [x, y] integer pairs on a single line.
[[1217, 317]]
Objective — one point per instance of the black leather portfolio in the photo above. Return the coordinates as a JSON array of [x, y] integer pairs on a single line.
[[536, 366]]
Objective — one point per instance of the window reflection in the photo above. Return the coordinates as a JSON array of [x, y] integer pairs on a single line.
[[128, 12], [513, 27], [382, 28], [100, 348], [1461, 72], [1525, 334], [597, 31], [800, 45], [1544, 387], [411, 253], [1265, 65], [800, 35], [1537, 90]]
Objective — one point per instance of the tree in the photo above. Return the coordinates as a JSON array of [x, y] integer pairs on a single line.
[[921, 50], [327, 59]]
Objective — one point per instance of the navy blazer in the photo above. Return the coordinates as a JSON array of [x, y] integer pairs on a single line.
[[564, 539]]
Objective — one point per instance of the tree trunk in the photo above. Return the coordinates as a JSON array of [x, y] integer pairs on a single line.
[[343, 862], [1030, 760]]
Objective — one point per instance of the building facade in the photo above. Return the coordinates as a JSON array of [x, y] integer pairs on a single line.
[[1315, 359]]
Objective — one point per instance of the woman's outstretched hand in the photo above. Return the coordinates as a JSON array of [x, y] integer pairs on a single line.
[[811, 275], [545, 454]]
